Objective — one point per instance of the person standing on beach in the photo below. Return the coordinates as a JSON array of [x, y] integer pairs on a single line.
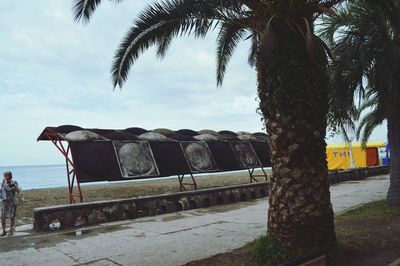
[[8, 207]]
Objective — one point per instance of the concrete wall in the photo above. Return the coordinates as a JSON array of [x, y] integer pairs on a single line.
[[357, 174], [106, 211]]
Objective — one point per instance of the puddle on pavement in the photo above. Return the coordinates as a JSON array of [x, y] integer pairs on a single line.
[[80, 233], [53, 238], [173, 217], [195, 212], [103, 229], [379, 177], [15, 244], [144, 221], [227, 207], [141, 235]]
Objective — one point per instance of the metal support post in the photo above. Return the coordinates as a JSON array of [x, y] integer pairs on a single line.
[[253, 176], [70, 167], [183, 185]]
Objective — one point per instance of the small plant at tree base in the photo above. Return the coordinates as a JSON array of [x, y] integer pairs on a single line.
[[270, 251]]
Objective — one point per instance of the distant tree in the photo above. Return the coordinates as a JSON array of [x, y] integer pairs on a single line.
[[293, 88], [365, 39]]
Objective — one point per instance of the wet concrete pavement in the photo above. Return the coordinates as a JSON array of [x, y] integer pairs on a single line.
[[169, 239]]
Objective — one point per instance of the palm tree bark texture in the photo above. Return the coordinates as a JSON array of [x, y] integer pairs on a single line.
[[393, 124], [293, 94]]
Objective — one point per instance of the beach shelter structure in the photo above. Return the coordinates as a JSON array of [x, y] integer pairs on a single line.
[[94, 155], [338, 155]]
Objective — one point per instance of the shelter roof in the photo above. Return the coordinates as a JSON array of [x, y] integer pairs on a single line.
[[76, 133]]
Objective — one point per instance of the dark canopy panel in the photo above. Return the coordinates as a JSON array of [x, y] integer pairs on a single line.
[[245, 154], [228, 137], [120, 135], [227, 132], [187, 132], [224, 156], [67, 129], [180, 137], [137, 153], [135, 130], [262, 151], [169, 158], [95, 161]]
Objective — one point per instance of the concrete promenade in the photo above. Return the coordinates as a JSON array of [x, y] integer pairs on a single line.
[[169, 239]]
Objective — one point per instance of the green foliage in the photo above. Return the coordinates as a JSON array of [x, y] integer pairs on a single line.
[[364, 37], [368, 226], [268, 250], [83, 9], [371, 120], [372, 210]]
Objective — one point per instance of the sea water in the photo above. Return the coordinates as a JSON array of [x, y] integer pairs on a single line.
[[49, 176], [41, 176], [38, 176]]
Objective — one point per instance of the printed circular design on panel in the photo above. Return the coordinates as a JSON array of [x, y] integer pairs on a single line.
[[135, 159], [198, 156], [245, 156]]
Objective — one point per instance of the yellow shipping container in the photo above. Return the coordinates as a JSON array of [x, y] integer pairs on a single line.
[[338, 155]]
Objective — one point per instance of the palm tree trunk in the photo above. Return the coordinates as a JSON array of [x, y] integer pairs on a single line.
[[293, 94], [393, 124]]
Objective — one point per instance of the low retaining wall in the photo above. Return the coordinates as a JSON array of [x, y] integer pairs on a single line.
[[357, 174], [106, 211]]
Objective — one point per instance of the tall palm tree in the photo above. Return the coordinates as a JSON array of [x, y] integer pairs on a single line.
[[293, 89], [365, 38]]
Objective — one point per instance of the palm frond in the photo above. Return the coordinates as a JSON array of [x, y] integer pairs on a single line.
[[370, 103], [159, 23], [388, 9], [330, 26], [84, 9], [227, 40], [314, 45], [253, 49], [258, 7], [331, 3], [165, 20], [356, 40], [369, 122]]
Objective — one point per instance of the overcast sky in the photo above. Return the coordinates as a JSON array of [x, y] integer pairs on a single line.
[[55, 72]]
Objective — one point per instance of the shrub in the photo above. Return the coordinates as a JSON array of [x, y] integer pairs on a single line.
[[269, 250]]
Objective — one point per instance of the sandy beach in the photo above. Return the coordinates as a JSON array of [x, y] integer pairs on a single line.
[[35, 198]]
